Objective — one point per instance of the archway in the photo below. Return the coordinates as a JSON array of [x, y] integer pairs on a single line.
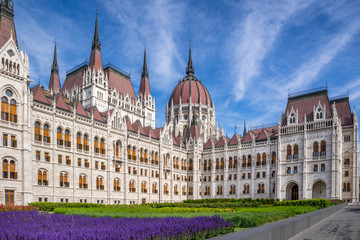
[[292, 191], [319, 189]]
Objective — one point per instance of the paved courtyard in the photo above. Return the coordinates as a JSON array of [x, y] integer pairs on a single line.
[[344, 224]]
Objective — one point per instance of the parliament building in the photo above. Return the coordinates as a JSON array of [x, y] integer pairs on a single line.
[[94, 140]]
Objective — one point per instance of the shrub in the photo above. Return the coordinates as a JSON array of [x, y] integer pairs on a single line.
[[12, 207], [309, 202]]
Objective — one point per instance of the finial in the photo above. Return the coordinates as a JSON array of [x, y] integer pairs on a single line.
[[144, 71], [190, 68], [96, 42]]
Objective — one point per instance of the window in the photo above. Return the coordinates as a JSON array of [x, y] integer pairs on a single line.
[[273, 174], [347, 161], [9, 196], [42, 178], [59, 137], [232, 190], [78, 141], [288, 152], [292, 118], [323, 149], [99, 183], [103, 167], [249, 161], [132, 186], [288, 170], [264, 174], [37, 155], [230, 163], [315, 168], [64, 180], [219, 190], [117, 168], [273, 158], [176, 191], [295, 170], [347, 138], [117, 184], [134, 154], [46, 134], [59, 159], [319, 113], [102, 146], [68, 160], [5, 168], [96, 145], [322, 167], [86, 163], [264, 159], [96, 165], [47, 157], [154, 188], [316, 149], [246, 189], [13, 142], [79, 162], [86, 144], [244, 161], [37, 132], [258, 175], [117, 149], [183, 190], [82, 181], [261, 188], [249, 175], [258, 160], [346, 173], [5, 139], [5, 107], [346, 187], [143, 187], [67, 138], [296, 152]]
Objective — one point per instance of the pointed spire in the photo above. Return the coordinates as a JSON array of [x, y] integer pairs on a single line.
[[96, 42], [144, 70], [190, 68], [244, 128], [54, 83]]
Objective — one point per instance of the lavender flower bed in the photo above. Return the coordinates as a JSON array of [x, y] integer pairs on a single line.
[[42, 225]]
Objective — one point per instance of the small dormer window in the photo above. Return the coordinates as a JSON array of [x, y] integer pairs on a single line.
[[319, 113], [292, 118]]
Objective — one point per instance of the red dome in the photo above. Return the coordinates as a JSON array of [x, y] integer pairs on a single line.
[[190, 86]]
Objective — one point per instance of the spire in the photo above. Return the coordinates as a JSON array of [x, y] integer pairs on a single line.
[[244, 128], [144, 70], [144, 88], [54, 83], [7, 26], [190, 69], [95, 56], [96, 42]]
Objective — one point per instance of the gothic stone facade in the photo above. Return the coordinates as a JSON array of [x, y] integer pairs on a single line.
[[94, 140]]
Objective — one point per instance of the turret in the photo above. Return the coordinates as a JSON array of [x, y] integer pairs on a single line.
[[54, 83]]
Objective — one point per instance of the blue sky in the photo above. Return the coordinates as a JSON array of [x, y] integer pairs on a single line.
[[249, 54]]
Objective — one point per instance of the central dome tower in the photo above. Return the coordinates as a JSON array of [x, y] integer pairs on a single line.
[[190, 112]]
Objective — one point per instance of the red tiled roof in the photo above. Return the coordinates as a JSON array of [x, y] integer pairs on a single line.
[[39, 95], [194, 132], [60, 103], [80, 109], [137, 127], [6, 27], [221, 142], [95, 59], [128, 124], [157, 132], [73, 80], [120, 83], [144, 86], [262, 136], [247, 138], [305, 105], [343, 110], [180, 142], [209, 143], [235, 140]]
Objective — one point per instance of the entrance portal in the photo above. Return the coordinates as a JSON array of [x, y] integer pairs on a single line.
[[319, 190], [292, 191]]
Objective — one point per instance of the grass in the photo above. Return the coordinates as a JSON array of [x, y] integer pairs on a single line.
[[240, 217]]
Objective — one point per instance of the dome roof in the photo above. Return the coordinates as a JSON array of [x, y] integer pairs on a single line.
[[190, 86]]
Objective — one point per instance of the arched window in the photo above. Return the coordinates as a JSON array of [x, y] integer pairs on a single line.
[[82, 181], [13, 115], [209, 167], [64, 182], [5, 168], [183, 190], [37, 132], [319, 113], [129, 152], [42, 177], [78, 141], [273, 158], [146, 156], [59, 137], [323, 149], [249, 161], [67, 138], [217, 164], [232, 190], [96, 145], [13, 174], [166, 189], [244, 161], [99, 183], [141, 155], [143, 187], [86, 143], [316, 149], [102, 146], [230, 163], [219, 190], [246, 189], [296, 152], [154, 188], [117, 184], [205, 165], [346, 187], [292, 118], [191, 164], [264, 159], [235, 162], [222, 163], [261, 188], [207, 191], [117, 149], [132, 186], [134, 154], [4, 109], [46, 133], [258, 159], [176, 191], [288, 152], [157, 159]]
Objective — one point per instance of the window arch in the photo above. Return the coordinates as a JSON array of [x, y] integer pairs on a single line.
[[117, 148], [319, 113], [316, 149], [132, 186], [288, 152], [143, 187], [183, 190], [117, 184], [249, 161], [96, 145], [346, 187], [5, 168], [67, 138], [134, 153], [273, 158], [166, 189], [205, 165], [99, 183], [78, 141], [323, 149], [258, 159], [46, 133], [82, 181], [102, 146], [64, 181], [4, 109], [59, 136], [37, 131], [244, 161], [176, 191], [261, 188], [296, 152], [232, 190], [9, 169], [8, 107], [42, 177], [219, 190], [235, 162], [154, 188], [230, 163], [246, 189], [292, 117], [217, 164]]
